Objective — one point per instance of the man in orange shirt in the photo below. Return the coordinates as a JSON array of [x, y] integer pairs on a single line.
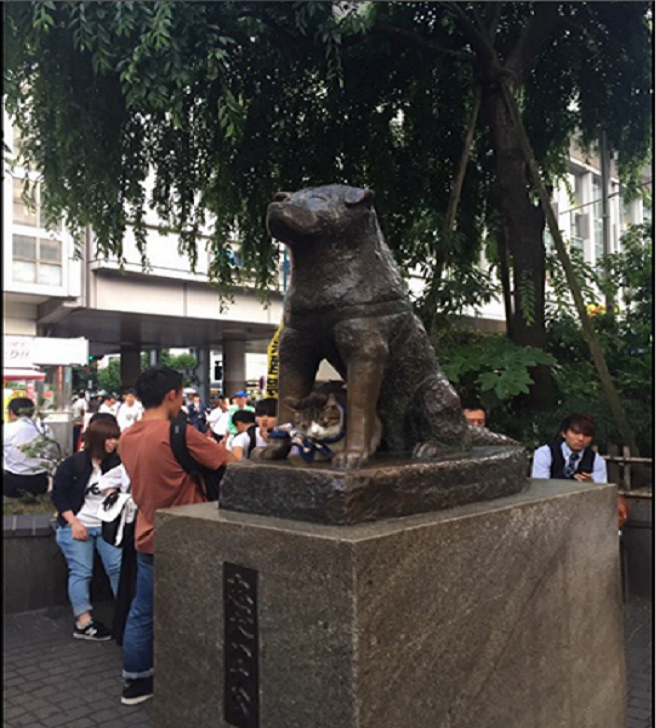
[[157, 481]]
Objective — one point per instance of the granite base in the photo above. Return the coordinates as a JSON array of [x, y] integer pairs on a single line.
[[503, 614]]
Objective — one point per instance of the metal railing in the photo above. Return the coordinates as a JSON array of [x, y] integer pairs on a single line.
[[621, 470]]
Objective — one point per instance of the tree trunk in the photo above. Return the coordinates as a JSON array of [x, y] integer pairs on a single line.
[[504, 263], [428, 313], [523, 227], [612, 395]]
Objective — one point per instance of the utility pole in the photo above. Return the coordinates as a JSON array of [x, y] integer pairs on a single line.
[[605, 208]]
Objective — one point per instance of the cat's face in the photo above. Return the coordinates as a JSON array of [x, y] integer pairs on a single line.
[[320, 419]]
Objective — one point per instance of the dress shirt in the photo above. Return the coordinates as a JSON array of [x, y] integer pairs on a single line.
[[542, 463], [17, 433]]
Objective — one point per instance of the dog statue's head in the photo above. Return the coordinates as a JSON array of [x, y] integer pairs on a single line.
[[317, 212]]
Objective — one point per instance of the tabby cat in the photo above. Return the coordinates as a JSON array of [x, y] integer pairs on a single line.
[[320, 421]]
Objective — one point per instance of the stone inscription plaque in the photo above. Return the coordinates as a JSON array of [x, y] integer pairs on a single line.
[[241, 686]]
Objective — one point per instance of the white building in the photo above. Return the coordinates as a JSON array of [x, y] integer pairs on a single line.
[[51, 291], [578, 207]]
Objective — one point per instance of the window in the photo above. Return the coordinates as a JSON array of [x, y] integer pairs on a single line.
[[577, 220], [598, 220], [36, 252], [578, 230], [16, 141], [37, 260], [576, 244], [24, 213], [28, 213]]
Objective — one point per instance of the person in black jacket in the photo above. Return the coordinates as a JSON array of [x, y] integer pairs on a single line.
[[77, 495], [197, 413]]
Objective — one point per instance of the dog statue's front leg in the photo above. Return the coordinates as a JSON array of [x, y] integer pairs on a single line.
[[363, 380], [298, 367]]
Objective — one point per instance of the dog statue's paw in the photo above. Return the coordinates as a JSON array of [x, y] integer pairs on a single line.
[[428, 450], [278, 451], [350, 459]]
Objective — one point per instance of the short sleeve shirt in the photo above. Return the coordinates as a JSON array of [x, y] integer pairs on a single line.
[[244, 441], [157, 479], [93, 498]]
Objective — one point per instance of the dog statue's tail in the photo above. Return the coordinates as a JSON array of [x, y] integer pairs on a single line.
[[481, 436]]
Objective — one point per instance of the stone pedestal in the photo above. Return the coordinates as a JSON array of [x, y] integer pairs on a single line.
[[501, 614], [389, 486]]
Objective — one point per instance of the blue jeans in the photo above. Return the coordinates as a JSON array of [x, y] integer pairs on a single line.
[[138, 636], [79, 556]]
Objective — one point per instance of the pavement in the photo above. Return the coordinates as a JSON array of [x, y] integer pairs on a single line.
[[639, 640], [51, 679]]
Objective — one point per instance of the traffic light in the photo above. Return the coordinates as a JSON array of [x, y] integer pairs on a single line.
[[218, 372]]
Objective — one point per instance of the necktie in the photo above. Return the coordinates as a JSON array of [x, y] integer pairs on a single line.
[[570, 465]]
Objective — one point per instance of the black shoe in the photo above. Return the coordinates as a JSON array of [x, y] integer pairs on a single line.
[[138, 690], [95, 631]]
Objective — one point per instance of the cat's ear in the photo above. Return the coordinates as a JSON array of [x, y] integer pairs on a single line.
[[291, 403]]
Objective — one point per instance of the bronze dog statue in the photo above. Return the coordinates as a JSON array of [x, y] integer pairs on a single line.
[[347, 303]]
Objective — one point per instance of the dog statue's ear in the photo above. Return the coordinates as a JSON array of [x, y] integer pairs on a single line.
[[355, 196]]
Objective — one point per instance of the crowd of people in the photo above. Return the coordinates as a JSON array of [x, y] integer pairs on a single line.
[[215, 419], [125, 447]]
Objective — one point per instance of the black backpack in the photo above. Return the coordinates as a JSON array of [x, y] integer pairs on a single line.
[[207, 480], [252, 439]]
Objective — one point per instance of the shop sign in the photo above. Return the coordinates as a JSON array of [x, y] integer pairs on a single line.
[[30, 351], [17, 352]]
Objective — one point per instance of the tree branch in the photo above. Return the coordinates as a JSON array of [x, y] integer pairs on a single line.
[[415, 40], [479, 41], [493, 20], [454, 197], [479, 22], [543, 24]]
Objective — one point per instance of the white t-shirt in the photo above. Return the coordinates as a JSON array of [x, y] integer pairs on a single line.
[[244, 441], [107, 409], [127, 415], [115, 478], [93, 498], [219, 421], [21, 432], [79, 408]]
